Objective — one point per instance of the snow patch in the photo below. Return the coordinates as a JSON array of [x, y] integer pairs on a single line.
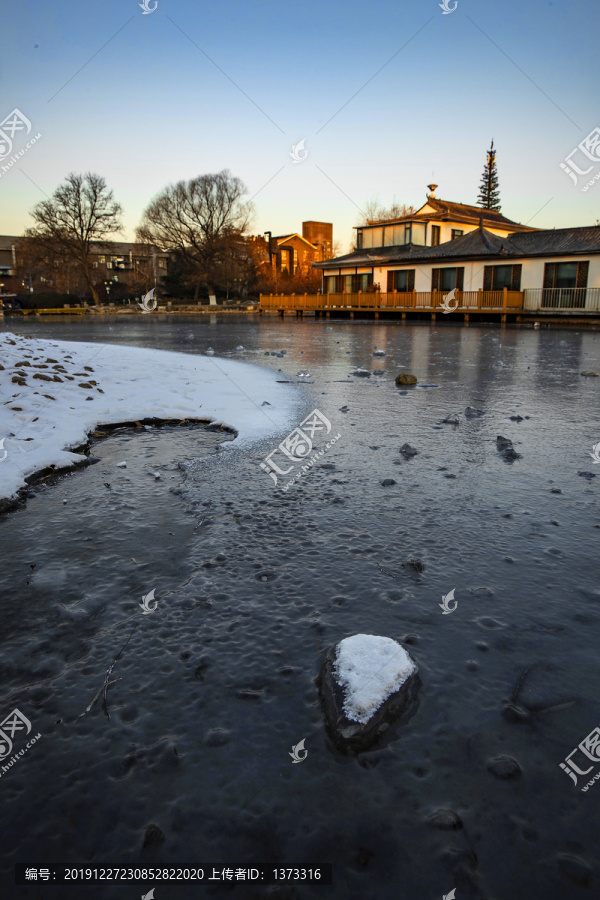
[[66, 389], [370, 668]]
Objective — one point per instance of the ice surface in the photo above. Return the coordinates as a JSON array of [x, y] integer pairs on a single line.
[[65, 389], [369, 668]]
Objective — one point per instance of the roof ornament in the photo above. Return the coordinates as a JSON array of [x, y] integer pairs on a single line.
[[432, 190]]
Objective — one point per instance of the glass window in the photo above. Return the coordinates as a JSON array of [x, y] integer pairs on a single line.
[[435, 235], [447, 279], [400, 280], [359, 239], [501, 277], [362, 282], [418, 233], [456, 233], [373, 237], [566, 275], [347, 284]]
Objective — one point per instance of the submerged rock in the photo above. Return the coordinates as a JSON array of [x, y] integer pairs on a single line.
[[407, 451], [472, 413], [405, 378], [414, 564], [452, 419], [365, 683], [506, 449], [154, 835], [388, 482], [361, 373], [590, 374], [504, 767], [445, 819]]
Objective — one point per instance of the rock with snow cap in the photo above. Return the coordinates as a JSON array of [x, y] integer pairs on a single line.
[[366, 682]]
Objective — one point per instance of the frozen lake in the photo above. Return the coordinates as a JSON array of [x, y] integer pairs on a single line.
[[254, 583]]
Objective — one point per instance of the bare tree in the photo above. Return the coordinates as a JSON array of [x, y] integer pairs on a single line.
[[374, 212], [202, 221], [81, 212]]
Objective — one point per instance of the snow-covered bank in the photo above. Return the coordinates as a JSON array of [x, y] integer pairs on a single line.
[[54, 393]]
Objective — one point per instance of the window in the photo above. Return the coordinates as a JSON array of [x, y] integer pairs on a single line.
[[418, 233], [565, 275], [401, 280], [95, 265], [347, 284], [567, 283], [372, 237], [394, 235], [362, 282], [435, 235], [501, 277], [331, 284], [101, 259], [496, 278], [447, 279], [359, 239], [161, 264], [109, 265], [456, 233]]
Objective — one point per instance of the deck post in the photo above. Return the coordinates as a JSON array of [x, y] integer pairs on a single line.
[[504, 301], [479, 298]]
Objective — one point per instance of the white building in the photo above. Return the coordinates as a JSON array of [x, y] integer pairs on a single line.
[[446, 246]]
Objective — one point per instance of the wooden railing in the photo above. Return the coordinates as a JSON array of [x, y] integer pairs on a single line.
[[468, 301]]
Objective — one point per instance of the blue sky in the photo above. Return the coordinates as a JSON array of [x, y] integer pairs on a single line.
[[388, 97]]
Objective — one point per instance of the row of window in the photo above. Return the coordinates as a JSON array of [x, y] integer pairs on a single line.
[[348, 284], [114, 263], [398, 235], [495, 278]]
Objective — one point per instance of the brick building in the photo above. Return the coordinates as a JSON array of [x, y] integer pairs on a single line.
[[294, 253]]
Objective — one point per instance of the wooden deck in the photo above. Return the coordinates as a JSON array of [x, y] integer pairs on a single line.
[[500, 303], [581, 305]]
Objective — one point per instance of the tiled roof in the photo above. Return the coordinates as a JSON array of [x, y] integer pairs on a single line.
[[480, 243], [457, 212]]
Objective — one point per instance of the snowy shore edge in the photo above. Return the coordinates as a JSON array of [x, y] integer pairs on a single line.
[[54, 393]]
